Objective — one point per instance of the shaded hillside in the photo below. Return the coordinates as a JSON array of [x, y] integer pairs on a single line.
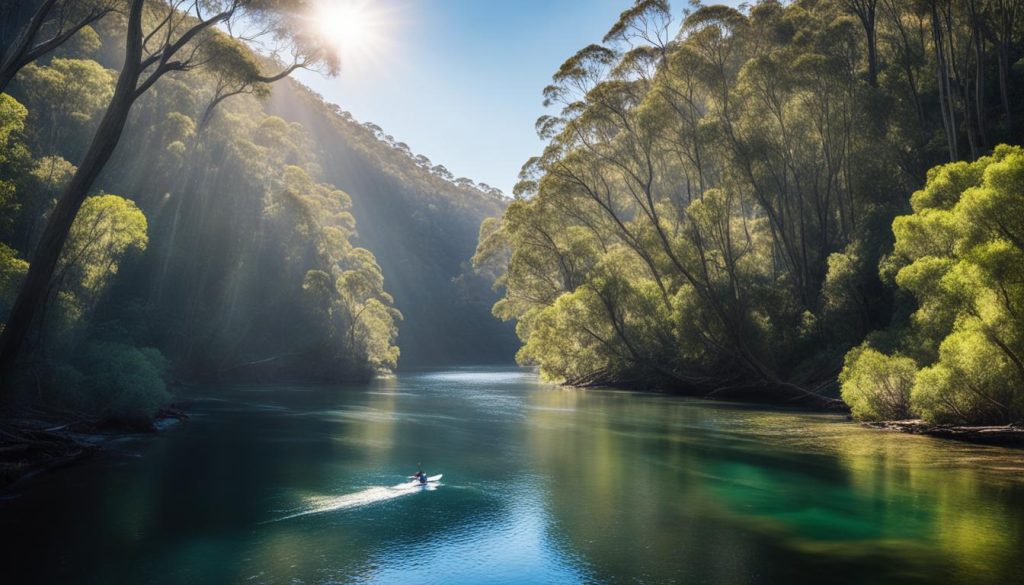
[[234, 246], [422, 226]]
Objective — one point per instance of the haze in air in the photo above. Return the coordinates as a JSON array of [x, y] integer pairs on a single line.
[[339, 291]]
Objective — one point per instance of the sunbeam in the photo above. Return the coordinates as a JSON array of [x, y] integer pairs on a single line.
[[355, 29]]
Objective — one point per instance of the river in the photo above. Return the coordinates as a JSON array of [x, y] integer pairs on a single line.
[[542, 484]]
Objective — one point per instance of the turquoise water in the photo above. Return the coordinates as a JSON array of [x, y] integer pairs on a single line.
[[303, 484]]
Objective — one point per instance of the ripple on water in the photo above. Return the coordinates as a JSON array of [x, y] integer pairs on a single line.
[[321, 504]]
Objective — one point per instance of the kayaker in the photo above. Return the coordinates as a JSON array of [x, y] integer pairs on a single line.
[[419, 473]]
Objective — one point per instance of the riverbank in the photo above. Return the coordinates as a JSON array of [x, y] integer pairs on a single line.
[[285, 482], [767, 394], [37, 442], [34, 442], [789, 395], [1002, 435]]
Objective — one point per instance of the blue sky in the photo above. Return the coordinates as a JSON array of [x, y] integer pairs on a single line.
[[460, 80]]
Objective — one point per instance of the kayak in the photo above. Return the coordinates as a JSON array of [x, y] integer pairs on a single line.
[[430, 479]]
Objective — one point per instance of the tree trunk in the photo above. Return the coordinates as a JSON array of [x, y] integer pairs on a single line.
[[872, 52], [44, 261], [945, 94], [1003, 53], [14, 55], [25, 49], [979, 77], [6, 77]]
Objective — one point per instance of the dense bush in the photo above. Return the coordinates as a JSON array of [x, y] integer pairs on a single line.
[[972, 382], [960, 254], [877, 386], [123, 382]]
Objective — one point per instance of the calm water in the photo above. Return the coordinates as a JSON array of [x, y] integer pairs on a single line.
[[541, 485]]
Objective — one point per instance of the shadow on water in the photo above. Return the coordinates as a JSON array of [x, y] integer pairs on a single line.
[[290, 484]]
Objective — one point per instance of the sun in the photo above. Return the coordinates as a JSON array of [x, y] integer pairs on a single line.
[[353, 28]]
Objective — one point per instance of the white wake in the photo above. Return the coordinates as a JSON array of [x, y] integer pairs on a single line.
[[373, 495]]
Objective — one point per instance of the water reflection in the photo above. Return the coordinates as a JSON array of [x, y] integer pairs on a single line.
[[541, 485], [732, 494]]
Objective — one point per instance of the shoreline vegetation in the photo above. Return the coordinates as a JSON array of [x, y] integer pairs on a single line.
[[231, 251], [33, 443], [1007, 435], [813, 203], [806, 201]]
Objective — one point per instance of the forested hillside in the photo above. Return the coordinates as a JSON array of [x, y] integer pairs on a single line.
[[714, 211], [233, 235], [422, 224], [249, 337]]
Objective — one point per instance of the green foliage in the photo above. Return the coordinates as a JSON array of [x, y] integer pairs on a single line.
[[344, 290], [712, 206], [12, 120], [843, 302], [12, 270], [52, 174], [13, 157], [232, 62], [877, 386], [237, 257], [112, 381], [106, 229], [973, 382], [65, 96], [563, 345], [961, 255], [122, 382], [86, 42], [421, 225]]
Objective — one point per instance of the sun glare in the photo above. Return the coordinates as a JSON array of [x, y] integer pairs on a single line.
[[352, 27]]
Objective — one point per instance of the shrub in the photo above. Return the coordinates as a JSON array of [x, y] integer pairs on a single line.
[[960, 254], [125, 382], [877, 386], [970, 384]]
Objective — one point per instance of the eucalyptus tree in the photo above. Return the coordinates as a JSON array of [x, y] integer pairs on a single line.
[[52, 24], [734, 177], [867, 14], [646, 22], [14, 158], [610, 174], [160, 38], [68, 93], [1001, 19], [106, 230]]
